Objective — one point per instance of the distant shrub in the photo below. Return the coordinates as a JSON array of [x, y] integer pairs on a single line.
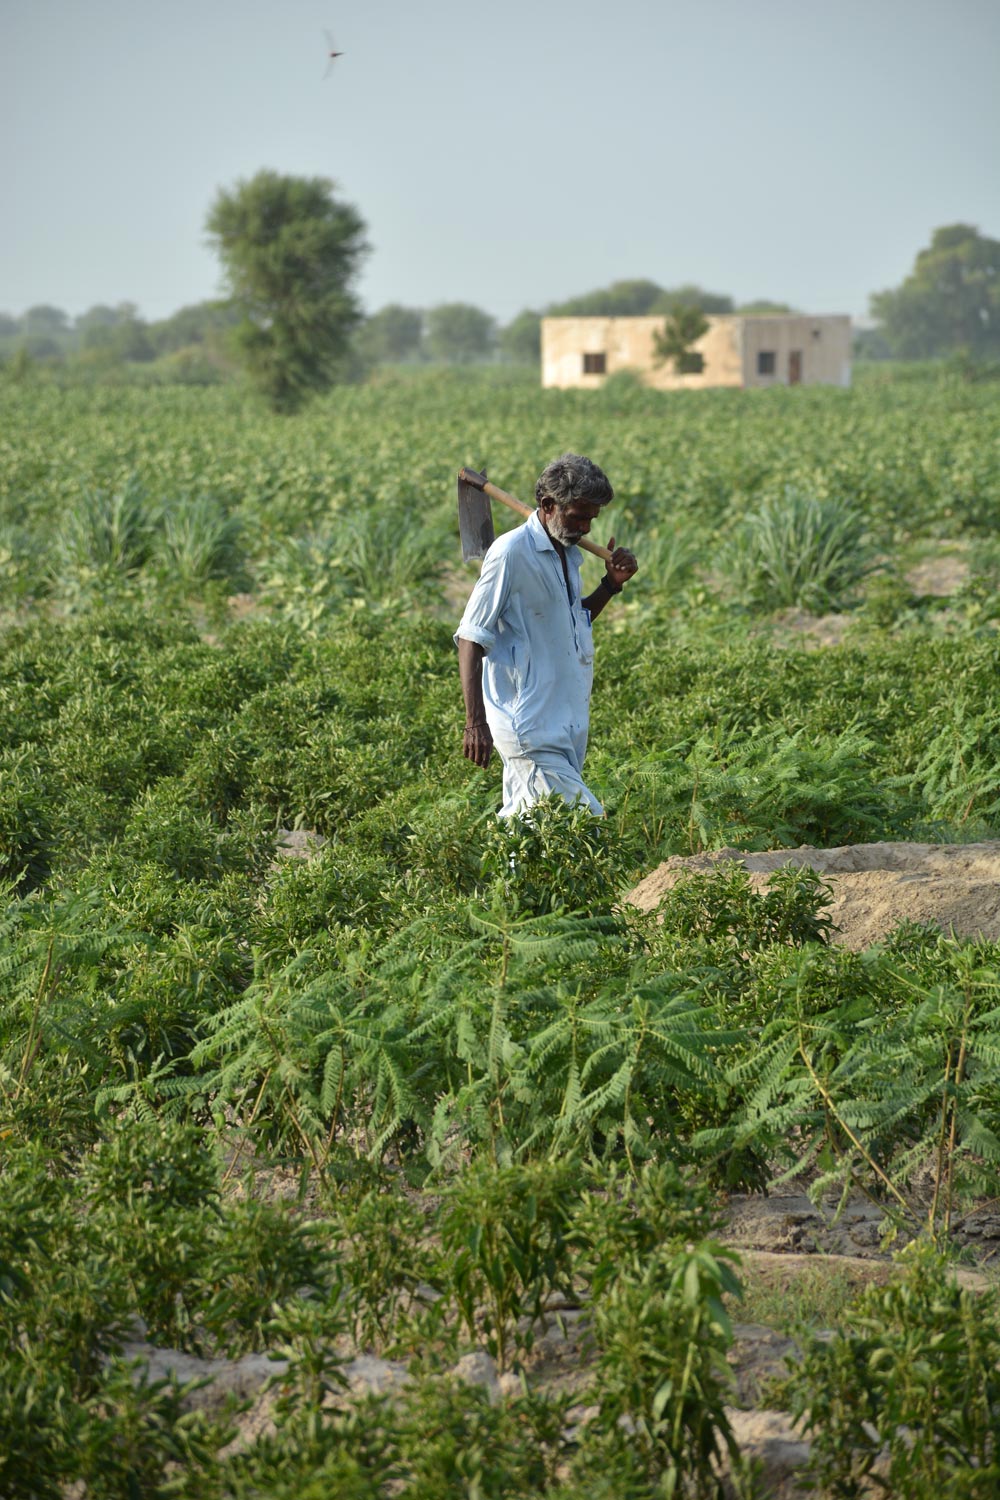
[[798, 550], [105, 533], [198, 541]]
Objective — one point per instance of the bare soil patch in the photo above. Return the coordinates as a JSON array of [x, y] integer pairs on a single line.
[[873, 887]]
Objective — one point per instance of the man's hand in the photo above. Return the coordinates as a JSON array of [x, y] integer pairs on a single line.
[[622, 564], [477, 743]]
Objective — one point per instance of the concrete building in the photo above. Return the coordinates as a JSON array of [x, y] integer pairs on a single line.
[[756, 350]]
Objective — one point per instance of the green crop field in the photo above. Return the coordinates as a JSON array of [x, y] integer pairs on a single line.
[[483, 1081]]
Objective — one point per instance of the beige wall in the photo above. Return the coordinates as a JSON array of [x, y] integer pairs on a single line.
[[823, 343], [729, 348]]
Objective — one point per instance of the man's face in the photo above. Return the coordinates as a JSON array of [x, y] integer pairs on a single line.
[[568, 523]]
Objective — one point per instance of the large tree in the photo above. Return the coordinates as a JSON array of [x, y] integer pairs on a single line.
[[392, 334], [692, 295], [45, 319], [950, 301], [290, 252], [622, 299], [198, 323], [520, 340], [116, 333], [632, 299], [460, 333]]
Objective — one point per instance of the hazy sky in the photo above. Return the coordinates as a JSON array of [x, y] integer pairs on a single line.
[[507, 155]]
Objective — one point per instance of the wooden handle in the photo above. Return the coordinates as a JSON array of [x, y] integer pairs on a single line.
[[525, 510]]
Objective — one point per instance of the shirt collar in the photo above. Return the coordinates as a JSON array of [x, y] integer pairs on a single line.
[[542, 540], [540, 537]]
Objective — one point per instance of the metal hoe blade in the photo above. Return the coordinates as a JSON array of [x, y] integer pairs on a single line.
[[475, 521]]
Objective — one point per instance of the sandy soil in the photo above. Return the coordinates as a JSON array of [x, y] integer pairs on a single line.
[[874, 887]]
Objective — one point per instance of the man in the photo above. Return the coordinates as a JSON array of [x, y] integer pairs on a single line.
[[525, 649]]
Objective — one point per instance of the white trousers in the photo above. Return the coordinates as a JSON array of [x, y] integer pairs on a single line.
[[526, 779]]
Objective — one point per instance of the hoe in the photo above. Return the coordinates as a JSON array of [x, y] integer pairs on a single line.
[[475, 516]]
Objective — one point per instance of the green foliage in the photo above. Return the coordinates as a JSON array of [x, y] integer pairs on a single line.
[[798, 549], [25, 824], [869, 1069], [505, 1232], [672, 344], [290, 251], [957, 772], [393, 333], [554, 858], [950, 302], [408, 1021], [772, 789], [722, 904], [661, 1331], [631, 299], [906, 1394], [520, 340], [453, 1441], [459, 334], [261, 1259], [105, 536], [199, 541]]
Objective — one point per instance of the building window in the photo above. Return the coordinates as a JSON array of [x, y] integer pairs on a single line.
[[765, 362], [595, 364]]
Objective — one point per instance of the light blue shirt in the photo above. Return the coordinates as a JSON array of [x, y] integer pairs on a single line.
[[539, 664]]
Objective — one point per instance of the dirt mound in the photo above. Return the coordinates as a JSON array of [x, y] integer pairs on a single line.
[[874, 887]]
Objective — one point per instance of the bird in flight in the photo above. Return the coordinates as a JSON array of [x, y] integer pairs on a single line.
[[331, 53]]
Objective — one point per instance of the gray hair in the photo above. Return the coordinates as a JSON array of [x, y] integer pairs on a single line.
[[571, 477]]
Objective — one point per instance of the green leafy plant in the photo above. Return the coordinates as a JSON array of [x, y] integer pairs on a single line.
[[798, 549], [672, 344], [661, 1332], [198, 541], [771, 789], [871, 1070], [904, 1398], [105, 534], [554, 858], [504, 1233]]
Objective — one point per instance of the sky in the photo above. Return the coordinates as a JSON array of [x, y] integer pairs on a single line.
[[508, 155]]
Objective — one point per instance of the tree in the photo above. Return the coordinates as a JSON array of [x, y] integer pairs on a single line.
[[116, 332], [94, 326], [199, 323], [683, 327], [521, 340], [460, 333], [290, 252], [622, 299], [8, 325], [949, 302], [392, 334], [691, 295], [45, 320], [637, 298], [763, 307]]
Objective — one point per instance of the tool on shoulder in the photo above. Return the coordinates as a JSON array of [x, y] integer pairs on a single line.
[[475, 517]]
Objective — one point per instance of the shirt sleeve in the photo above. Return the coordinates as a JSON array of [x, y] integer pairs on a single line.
[[487, 601]]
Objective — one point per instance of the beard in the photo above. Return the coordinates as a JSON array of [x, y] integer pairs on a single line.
[[557, 527]]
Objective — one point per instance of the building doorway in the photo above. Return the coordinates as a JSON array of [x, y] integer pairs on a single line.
[[795, 367]]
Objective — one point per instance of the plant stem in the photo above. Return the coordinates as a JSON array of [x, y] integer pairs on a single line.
[[32, 1044], [827, 1098]]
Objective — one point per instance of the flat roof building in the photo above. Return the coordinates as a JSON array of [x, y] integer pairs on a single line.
[[735, 350]]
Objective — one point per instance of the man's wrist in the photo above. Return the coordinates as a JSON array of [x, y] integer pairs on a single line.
[[608, 586]]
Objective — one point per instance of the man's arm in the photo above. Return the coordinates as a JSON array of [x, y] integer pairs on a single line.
[[619, 571], [477, 742]]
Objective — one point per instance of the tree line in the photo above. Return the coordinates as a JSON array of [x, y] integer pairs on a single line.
[[291, 251]]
